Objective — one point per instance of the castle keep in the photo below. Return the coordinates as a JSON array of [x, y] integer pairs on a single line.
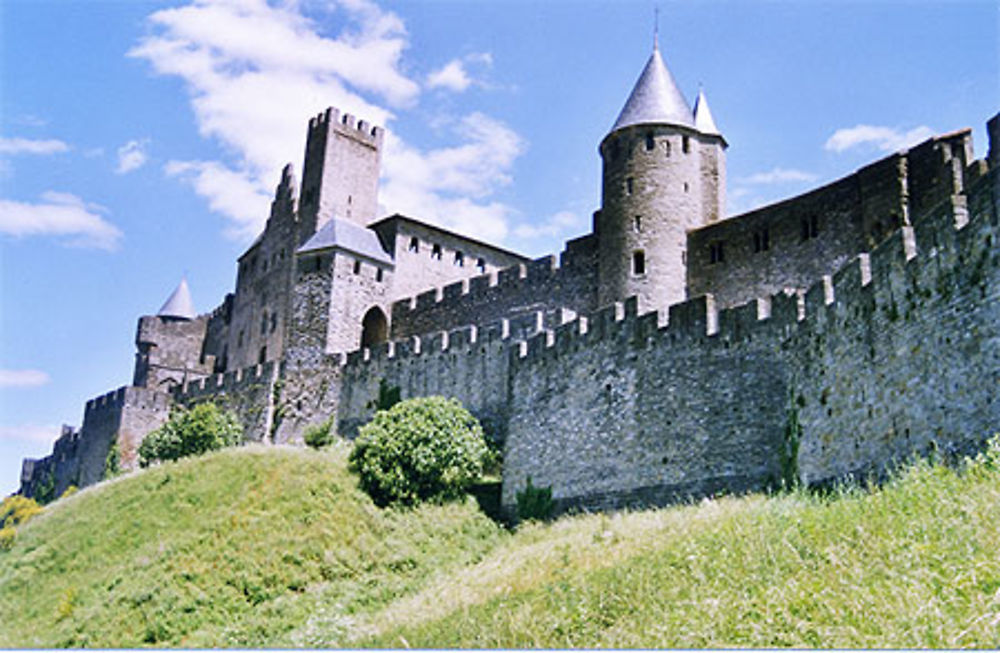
[[671, 352]]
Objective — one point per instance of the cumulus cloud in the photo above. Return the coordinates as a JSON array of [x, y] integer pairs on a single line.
[[455, 75], [132, 156], [22, 378], [557, 224], [778, 176], [256, 73], [62, 215], [39, 433], [31, 146], [886, 139]]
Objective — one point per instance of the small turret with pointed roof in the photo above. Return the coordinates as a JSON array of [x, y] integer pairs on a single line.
[[179, 304], [703, 120]]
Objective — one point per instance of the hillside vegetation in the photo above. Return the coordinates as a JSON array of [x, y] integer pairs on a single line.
[[277, 547]]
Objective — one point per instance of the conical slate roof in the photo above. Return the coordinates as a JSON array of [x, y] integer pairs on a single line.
[[655, 98], [179, 303], [703, 120]]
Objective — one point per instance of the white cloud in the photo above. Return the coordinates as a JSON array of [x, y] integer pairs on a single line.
[[778, 176], [132, 156], [22, 378], [59, 214], [886, 139], [558, 224], [31, 146], [455, 75], [257, 73], [39, 433]]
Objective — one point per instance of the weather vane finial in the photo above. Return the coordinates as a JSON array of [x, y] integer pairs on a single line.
[[656, 27]]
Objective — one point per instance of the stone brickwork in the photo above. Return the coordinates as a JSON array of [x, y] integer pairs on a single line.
[[169, 352]]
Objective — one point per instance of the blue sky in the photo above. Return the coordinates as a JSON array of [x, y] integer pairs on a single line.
[[140, 141]]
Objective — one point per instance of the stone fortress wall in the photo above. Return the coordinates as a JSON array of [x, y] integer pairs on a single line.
[[860, 329]]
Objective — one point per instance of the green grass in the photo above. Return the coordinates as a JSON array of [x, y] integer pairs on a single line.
[[277, 547]]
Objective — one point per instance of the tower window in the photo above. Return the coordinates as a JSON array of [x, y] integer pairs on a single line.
[[687, 187], [686, 144], [436, 252], [357, 267], [349, 200], [459, 259], [239, 341], [666, 148], [481, 264], [378, 275], [630, 185], [809, 228], [274, 322], [638, 262], [716, 253], [414, 244], [650, 142], [637, 224], [761, 240]]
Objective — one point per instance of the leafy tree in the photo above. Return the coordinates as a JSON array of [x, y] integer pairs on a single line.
[[425, 449], [191, 432]]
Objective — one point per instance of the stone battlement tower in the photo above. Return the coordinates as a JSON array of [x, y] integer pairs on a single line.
[[664, 174]]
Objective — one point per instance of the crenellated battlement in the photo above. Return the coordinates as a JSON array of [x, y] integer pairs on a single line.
[[347, 124], [228, 382]]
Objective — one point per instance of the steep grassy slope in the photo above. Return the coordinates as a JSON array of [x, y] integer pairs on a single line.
[[276, 547], [238, 548]]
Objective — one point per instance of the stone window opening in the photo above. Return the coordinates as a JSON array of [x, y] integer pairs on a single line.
[[638, 262], [630, 185], [436, 252], [274, 322], [262, 355], [239, 340], [481, 264], [650, 142], [459, 260], [686, 144], [666, 148], [378, 275], [716, 253], [687, 187], [414, 244], [761, 240], [263, 323], [350, 200], [637, 224], [809, 228], [374, 327], [357, 267]]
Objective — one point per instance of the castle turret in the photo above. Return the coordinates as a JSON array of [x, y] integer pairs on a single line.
[[179, 304], [169, 344], [664, 173], [340, 174]]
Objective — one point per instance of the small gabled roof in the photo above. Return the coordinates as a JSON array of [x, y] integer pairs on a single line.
[[179, 303], [703, 120], [348, 237], [655, 99]]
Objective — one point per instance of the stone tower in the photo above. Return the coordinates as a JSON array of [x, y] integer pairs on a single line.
[[340, 174], [664, 173]]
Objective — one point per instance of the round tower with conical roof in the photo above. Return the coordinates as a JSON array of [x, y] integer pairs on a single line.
[[664, 173]]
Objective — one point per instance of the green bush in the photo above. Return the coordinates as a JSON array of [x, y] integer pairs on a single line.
[[112, 463], [534, 502], [191, 433], [17, 509], [318, 436], [8, 534], [426, 449]]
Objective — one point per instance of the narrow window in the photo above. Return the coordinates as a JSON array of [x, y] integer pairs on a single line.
[[459, 260], [436, 252], [263, 323], [357, 267], [687, 187], [414, 244], [481, 264], [761, 240], [637, 224], [629, 185], [650, 142], [274, 322], [686, 145], [638, 262], [239, 341], [378, 275], [349, 200], [716, 253], [262, 356], [666, 148]]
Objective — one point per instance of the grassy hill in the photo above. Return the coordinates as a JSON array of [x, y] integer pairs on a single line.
[[276, 547]]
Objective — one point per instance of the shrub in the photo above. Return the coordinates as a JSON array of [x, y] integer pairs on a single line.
[[318, 436], [534, 502], [388, 396], [16, 510], [191, 433], [7, 536], [426, 449], [112, 463], [68, 492]]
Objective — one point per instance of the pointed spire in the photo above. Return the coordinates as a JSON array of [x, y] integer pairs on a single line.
[[703, 120], [179, 303], [655, 99]]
